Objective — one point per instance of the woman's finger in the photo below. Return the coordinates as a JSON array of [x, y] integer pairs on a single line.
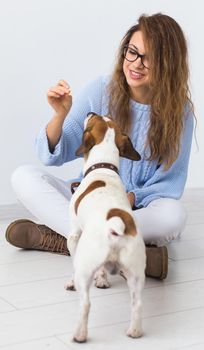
[[52, 94], [63, 83], [59, 90]]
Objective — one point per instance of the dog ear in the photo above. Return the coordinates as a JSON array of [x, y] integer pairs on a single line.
[[126, 148], [87, 143]]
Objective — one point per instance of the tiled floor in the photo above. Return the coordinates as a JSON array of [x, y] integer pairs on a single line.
[[37, 313]]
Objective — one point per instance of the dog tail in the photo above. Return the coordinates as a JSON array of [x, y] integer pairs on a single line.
[[120, 223], [116, 226]]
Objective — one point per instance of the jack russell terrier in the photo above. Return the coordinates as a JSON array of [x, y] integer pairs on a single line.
[[103, 231]]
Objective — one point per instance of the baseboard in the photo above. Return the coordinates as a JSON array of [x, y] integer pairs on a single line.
[[14, 211]]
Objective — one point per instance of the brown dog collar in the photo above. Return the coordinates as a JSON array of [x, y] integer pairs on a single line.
[[102, 166]]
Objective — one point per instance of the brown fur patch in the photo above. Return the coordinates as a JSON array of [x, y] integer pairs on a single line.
[[93, 134], [130, 227], [90, 188], [98, 127], [123, 143]]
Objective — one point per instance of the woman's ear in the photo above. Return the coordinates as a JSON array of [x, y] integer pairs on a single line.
[[87, 143], [126, 148]]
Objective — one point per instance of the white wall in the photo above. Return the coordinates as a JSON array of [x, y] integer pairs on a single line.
[[42, 41]]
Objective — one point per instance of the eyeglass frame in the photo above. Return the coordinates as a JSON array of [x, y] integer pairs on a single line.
[[138, 55]]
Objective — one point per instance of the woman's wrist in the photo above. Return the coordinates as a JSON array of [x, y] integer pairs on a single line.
[[59, 117], [131, 198], [54, 130]]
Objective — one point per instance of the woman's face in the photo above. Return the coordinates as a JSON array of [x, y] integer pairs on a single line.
[[136, 68]]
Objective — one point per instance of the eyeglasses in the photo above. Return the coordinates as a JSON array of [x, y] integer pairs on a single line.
[[131, 54]]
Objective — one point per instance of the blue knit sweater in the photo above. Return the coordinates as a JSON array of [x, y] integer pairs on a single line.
[[145, 179]]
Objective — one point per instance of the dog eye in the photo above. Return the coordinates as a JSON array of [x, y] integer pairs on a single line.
[[91, 113]]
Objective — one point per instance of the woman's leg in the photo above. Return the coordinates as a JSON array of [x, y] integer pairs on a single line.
[[45, 196], [161, 221]]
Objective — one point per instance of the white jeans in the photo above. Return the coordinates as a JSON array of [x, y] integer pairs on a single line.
[[47, 198]]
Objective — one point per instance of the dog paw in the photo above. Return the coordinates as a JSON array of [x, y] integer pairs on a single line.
[[80, 337], [134, 333], [102, 283], [70, 286], [79, 340]]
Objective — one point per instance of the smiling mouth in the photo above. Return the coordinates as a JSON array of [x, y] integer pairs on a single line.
[[136, 75]]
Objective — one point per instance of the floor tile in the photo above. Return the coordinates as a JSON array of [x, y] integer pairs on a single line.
[[160, 333], [185, 270], [12, 255], [52, 291], [196, 217], [190, 249], [192, 232], [192, 347], [5, 306], [35, 270], [42, 344], [105, 310]]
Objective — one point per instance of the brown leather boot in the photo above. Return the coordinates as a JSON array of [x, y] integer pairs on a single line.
[[157, 262], [28, 235]]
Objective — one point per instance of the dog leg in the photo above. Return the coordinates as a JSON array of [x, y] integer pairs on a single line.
[[83, 283], [135, 286], [72, 241], [70, 285], [88, 259], [101, 280]]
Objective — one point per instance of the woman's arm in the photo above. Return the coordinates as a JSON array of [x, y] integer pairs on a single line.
[[57, 143], [60, 99]]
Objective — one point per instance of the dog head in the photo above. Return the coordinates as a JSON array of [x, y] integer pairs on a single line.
[[95, 129]]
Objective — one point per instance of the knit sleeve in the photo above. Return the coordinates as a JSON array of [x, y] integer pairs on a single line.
[[170, 183], [90, 100]]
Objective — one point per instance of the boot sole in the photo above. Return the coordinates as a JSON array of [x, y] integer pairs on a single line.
[[11, 226], [165, 263], [164, 267]]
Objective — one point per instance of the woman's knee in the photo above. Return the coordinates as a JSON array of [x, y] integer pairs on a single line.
[[22, 178], [171, 218], [174, 215], [162, 221]]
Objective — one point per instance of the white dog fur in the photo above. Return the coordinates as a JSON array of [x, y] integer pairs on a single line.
[[103, 233]]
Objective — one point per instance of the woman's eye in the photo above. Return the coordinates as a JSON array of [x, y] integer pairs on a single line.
[[132, 52]]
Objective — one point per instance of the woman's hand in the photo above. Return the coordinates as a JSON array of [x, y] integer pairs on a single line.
[[131, 198], [60, 98]]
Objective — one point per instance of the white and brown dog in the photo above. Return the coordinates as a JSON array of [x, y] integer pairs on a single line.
[[103, 230]]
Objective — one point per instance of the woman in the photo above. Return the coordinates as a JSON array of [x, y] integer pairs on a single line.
[[148, 95]]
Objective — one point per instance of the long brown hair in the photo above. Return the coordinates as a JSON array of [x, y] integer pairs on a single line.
[[169, 73]]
